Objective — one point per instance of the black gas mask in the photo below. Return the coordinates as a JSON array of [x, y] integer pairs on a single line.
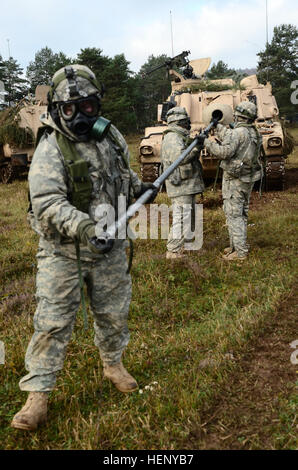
[[80, 115]]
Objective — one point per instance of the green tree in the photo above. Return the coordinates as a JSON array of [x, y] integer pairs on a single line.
[[278, 64], [93, 58], [119, 103], [2, 89], [220, 70], [151, 90], [1, 68], [114, 74], [15, 84], [45, 64]]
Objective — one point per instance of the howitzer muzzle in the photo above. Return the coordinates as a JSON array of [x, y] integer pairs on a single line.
[[222, 113]]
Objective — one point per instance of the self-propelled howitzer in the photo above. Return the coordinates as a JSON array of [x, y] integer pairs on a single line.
[[198, 95]]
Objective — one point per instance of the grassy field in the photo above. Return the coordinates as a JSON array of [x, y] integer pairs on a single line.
[[192, 322]]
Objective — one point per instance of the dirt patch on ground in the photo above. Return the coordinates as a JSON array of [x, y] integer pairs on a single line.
[[291, 179], [246, 414]]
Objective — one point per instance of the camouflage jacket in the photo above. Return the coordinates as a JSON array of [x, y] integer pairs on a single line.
[[187, 178], [53, 217], [239, 150]]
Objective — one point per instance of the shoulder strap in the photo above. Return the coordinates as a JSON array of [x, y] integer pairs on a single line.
[[186, 139], [115, 140], [41, 131], [81, 184]]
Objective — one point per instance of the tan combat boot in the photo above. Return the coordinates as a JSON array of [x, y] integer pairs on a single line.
[[177, 255], [234, 257], [228, 250], [120, 377], [33, 413]]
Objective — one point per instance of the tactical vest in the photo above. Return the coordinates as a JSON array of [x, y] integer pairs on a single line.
[[80, 184], [246, 164]]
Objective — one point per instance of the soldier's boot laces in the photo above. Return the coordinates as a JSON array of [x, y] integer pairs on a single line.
[[33, 413], [234, 257], [228, 250], [119, 376]]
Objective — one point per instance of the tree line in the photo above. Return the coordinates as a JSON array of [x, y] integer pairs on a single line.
[[130, 100]]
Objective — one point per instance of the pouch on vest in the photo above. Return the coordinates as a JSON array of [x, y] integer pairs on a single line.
[[186, 171], [81, 184], [80, 179], [175, 177], [233, 168]]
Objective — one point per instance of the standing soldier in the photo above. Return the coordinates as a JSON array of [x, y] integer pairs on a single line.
[[184, 183], [79, 164], [239, 151]]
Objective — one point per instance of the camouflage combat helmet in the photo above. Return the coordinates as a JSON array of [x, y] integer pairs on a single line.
[[73, 82], [247, 110], [176, 114]]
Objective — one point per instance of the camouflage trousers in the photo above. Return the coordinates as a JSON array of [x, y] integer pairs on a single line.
[[236, 195], [183, 222], [58, 296]]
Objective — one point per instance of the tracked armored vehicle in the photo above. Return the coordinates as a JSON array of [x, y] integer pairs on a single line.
[[199, 97], [18, 132]]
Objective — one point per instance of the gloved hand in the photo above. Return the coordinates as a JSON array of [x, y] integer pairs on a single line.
[[201, 138], [87, 236], [85, 232], [144, 188]]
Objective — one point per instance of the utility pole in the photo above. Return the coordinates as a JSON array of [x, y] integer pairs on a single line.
[[267, 39], [8, 47], [9, 74], [172, 34]]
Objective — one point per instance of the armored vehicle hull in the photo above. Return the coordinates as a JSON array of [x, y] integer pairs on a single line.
[[18, 131]]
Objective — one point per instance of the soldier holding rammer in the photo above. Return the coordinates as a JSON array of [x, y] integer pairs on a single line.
[[239, 152], [72, 173], [184, 183]]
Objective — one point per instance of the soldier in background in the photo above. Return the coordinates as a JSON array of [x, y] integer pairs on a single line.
[[184, 183], [239, 152], [71, 174]]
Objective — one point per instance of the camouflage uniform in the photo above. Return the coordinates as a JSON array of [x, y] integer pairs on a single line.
[[185, 182], [56, 220], [238, 150]]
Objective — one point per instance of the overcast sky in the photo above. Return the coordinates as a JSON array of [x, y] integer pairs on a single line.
[[230, 30]]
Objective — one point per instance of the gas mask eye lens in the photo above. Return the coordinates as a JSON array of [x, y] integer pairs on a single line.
[[68, 110], [89, 107]]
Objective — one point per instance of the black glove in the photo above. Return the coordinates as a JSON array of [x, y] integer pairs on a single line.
[[144, 188], [201, 138], [86, 235]]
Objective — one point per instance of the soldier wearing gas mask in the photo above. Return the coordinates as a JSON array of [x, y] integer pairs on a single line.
[[184, 183], [81, 162]]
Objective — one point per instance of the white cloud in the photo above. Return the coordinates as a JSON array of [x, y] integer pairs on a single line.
[[232, 31]]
